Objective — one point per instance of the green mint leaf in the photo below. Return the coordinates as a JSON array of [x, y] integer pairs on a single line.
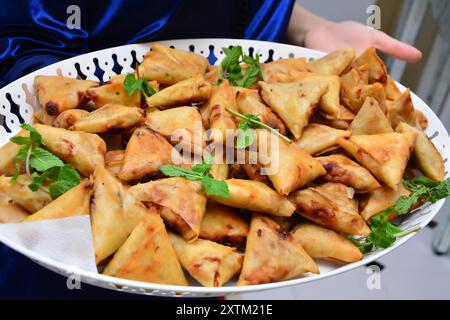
[[22, 155], [146, 88], [213, 187], [20, 140], [364, 245], [174, 171], [42, 160], [67, 179], [202, 168], [131, 84], [38, 180], [231, 60], [245, 138], [35, 137], [250, 77]]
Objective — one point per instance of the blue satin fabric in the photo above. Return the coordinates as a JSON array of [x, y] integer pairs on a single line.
[[34, 34]]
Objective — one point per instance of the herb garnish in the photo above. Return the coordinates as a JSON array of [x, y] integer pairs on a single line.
[[231, 68], [40, 164], [249, 122], [131, 85], [384, 233], [201, 172]]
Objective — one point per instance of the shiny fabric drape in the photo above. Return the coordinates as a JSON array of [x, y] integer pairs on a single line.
[[34, 33]]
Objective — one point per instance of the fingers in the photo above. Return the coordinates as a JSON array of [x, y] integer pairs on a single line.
[[396, 48]]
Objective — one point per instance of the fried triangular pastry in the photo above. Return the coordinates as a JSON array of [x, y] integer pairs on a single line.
[[110, 117], [181, 126], [323, 243], [370, 119], [402, 110], [223, 225], [169, 66], [56, 93], [381, 199], [343, 170], [113, 92], [10, 212], [289, 166], [329, 104], [75, 202], [182, 206], [263, 198], [425, 155], [80, 149], [209, 263], [146, 151], [248, 103], [294, 102], [391, 89], [114, 214], [377, 69], [283, 70], [113, 161], [318, 137], [333, 63], [333, 206], [147, 255], [183, 93], [67, 118], [385, 155], [7, 153], [21, 194], [217, 119], [272, 254]]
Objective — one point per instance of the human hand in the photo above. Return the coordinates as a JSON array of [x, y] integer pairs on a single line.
[[334, 35]]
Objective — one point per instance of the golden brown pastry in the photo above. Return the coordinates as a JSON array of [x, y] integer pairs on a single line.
[[370, 119], [380, 199], [21, 194], [318, 137], [110, 117], [113, 92], [68, 118], [223, 225], [114, 214], [191, 90], [248, 103], [426, 156], [113, 161], [333, 206], [343, 170], [181, 126], [220, 122], [147, 255], [385, 155], [56, 93], [209, 263], [169, 66], [402, 110], [333, 63], [286, 258], [294, 102], [80, 149], [283, 70], [255, 196], [323, 243], [146, 151], [391, 89], [75, 202], [289, 167], [7, 153], [10, 212], [377, 69], [182, 206]]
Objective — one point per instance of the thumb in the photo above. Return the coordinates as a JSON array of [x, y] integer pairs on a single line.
[[396, 48]]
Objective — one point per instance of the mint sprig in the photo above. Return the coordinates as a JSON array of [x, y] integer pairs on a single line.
[[131, 85], [200, 172], [384, 233], [247, 124], [231, 68], [40, 165]]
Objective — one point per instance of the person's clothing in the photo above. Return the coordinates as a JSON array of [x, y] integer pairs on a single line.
[[34, 34]]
